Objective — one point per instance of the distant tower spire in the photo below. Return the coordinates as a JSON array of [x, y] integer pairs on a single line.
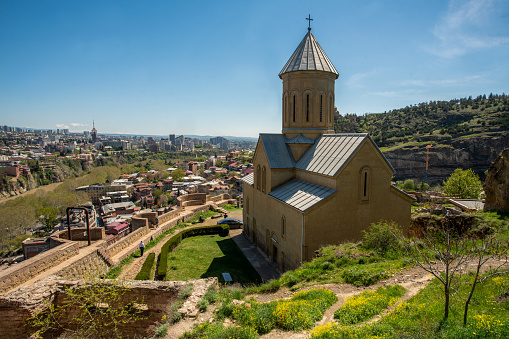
[[94, 132], [309, 20]]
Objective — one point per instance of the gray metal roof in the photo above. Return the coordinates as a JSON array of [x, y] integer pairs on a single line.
[[278, 154], [330, 152], [248, 179], [301, 195], [300, 139], [309, 56]]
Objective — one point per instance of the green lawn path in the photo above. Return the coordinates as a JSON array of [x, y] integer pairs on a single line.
[[208, 256]]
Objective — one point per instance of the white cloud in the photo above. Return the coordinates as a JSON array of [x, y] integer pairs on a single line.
[[358, 79], [470, 79], [76, 124], [62, 126], [465, 27]]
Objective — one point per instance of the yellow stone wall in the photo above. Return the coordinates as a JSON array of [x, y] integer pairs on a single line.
[[300, 84], [340, 218]]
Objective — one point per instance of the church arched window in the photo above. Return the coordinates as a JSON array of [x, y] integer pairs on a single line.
[[365, 183], [283, 226], [258, 177], [264, 179]]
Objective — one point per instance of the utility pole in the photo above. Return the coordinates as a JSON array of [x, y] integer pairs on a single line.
[[427, 157]]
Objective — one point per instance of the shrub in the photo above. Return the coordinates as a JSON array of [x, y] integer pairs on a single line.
[[185, 292], [300, 312], [162, 330], [368, 304], [211, 295], [146, 269], [217, 331], [255, 315], [203, 304], [380, 237], [362, 276]]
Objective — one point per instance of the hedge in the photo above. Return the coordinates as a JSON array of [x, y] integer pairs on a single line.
[[144, 273], [222, 230]]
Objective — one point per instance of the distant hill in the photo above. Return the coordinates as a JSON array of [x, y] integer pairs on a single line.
[[468, 133]]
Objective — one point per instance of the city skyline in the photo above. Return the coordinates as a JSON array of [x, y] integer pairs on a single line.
[[201, 68]]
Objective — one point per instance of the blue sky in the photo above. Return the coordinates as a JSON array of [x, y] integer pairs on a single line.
[[211, 68]]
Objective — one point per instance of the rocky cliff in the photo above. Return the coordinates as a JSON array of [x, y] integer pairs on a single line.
[[497, 184], [476, 153]]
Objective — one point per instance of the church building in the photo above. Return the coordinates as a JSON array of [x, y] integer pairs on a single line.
[[311, 187]]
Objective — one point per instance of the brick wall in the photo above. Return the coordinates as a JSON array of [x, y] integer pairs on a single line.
[[91, 265], [126, 241], [28, 269], [79, 234], [156, 296]]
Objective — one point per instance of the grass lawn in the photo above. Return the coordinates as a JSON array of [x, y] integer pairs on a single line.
[[208, 256]]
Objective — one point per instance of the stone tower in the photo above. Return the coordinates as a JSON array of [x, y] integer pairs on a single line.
[[308, 95]]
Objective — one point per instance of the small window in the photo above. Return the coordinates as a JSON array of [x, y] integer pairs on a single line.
[[365, 184], [307, 107], [321, 106], [283, 226]]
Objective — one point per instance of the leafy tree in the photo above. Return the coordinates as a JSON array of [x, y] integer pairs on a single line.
[[422, 187], [49, 216], [99, 310], [162, 200], [408, 185], [464, 184], [177, 174]]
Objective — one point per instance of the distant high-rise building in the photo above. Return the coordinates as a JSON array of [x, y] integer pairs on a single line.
[[94, 132], [172, 139], [179, 140], [220, 142]]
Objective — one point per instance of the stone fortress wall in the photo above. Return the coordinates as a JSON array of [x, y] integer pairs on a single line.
[[96, 259], [153, 298]]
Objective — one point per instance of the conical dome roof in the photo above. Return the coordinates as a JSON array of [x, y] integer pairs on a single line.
[[309, 56]]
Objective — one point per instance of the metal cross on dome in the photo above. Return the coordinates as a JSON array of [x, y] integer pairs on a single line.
[[309, 19]]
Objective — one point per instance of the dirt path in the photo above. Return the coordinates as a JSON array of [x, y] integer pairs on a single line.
[[45, 188]]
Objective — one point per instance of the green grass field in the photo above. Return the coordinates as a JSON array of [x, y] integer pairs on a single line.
[[209, 256]]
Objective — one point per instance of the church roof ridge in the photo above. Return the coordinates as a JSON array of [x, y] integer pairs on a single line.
[[300, 139], [309, 56]]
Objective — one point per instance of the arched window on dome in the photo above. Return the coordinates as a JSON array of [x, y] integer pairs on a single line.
[[321, 107], [307, 107], [293, 108]]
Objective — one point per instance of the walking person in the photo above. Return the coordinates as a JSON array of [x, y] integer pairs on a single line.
[[142, 248]]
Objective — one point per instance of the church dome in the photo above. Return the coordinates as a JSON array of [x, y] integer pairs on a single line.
[[309, 56]]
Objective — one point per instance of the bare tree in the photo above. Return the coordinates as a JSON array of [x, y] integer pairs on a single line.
[[445, 250], [486, 250], [441, 251]]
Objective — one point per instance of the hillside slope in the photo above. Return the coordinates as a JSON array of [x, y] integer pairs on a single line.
[[465, 133]]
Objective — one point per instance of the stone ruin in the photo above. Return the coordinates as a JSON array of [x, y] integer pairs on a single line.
[[496, 185], [154, 299]]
